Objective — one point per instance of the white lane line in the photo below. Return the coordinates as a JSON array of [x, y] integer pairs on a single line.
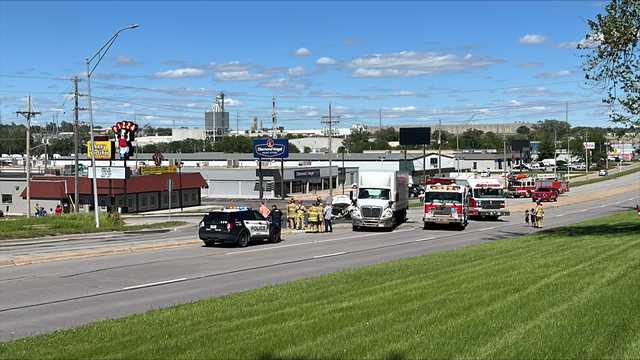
[[583, 210], [268, 248], [489, 228], [153, 284], [327, 255], [425, 239], [602, 206]]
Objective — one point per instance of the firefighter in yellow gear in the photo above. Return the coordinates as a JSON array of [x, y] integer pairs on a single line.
[[539, 214], [313, 219], [300, 211], [291, 213]]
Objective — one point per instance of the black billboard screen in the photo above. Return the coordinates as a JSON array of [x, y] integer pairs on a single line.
[[415, 136]]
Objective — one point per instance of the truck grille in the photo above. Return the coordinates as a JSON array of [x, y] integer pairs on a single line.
[[491, 204], [371, 211]]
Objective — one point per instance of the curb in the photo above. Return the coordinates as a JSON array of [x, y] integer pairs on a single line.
[[29, 260]]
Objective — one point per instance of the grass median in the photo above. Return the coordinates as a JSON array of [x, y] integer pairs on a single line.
[[565, 293], [71, 224]]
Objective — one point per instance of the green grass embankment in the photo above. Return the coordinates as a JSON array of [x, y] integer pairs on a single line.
[[70, 224], [565, 293]]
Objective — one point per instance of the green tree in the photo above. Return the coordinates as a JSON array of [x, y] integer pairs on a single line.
[[293, 149], [471, 139], [523, 130], [307, 150], [612, 60]]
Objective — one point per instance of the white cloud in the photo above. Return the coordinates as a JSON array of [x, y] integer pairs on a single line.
[[515, 103], [229, 66], [282, 84], [241, 75], [149, 117], [232, 102], [326, 61], [296, 71], [180, 73], [302, 52], [555, 74], [191, 105], [125, 60], [312, 113], [404, 93], [584, 43], [411, 63], [532, 39], [404, 108], [531, 65]]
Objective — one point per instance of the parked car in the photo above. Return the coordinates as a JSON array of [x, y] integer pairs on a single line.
[[544, 194], [603, 172], [236, 226]]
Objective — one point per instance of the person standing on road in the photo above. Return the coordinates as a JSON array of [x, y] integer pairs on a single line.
[[526, 216], [300, 210], [264, 210], [275, 218], [539, 214], [532, 214], [291, 214], [328, 213]]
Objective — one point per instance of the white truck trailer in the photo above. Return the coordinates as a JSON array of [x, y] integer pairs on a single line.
[[381, 201]]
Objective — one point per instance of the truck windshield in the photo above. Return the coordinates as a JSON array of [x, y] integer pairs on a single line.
[[488, 193], [442, 197], [373, 193]]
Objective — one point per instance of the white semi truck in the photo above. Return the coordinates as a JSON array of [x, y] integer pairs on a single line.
[[381, 200]]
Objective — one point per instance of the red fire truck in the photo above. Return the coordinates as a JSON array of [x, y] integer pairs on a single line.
[[521, 185], [446, 204], [487, 198]]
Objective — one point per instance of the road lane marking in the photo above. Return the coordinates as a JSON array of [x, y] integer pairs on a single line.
[[489, 228], [153, 284], [328, 255], [268, 248], [424, 239]]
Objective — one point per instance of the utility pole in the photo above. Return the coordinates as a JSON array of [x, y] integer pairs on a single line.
[[76, 142], [28, 115], [273, 118], [380, 120], [440, 148], [566, 119], [330, 120], [237, 125], [586, 156], [555, 152], [504, 159]]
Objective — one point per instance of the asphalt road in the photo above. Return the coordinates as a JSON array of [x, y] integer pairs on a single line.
[[44, 297]]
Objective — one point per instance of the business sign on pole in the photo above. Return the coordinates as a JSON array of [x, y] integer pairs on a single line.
[[108, 172], [104, 150], [589, 145], [124, 132], [270, 148]]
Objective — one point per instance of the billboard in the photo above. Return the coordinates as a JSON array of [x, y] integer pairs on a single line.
[[125, 133], [589, 145], [415, 136], [270, 148], [104, 150], [306, 173]]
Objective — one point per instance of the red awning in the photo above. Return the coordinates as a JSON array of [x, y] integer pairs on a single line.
[[59, 187]]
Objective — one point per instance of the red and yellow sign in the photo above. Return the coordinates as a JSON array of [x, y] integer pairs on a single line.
[[104, 150], [157, 170]]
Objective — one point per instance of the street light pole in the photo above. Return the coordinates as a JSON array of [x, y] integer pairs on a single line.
[[100, 54]]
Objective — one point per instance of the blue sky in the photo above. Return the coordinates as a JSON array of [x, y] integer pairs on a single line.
[[417, 62]]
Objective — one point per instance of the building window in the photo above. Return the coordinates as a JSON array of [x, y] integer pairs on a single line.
[[475, 165], [499, 164], [433, 162], [7, 198]]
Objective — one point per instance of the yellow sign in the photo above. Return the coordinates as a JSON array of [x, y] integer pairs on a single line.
[[103, 150], [157, 170]]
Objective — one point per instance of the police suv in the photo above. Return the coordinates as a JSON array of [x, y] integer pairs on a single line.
[[238, 226]]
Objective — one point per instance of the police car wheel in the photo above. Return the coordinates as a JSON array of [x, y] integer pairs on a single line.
[[356, 228], [243, 239]]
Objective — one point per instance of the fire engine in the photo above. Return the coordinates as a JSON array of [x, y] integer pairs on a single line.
[[487, 198], [521, 185], [446, 204]]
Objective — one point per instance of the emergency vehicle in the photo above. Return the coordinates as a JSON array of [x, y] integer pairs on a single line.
[[236, 226], [521, 185], [486, 197], [551, 181], [446, 204]]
